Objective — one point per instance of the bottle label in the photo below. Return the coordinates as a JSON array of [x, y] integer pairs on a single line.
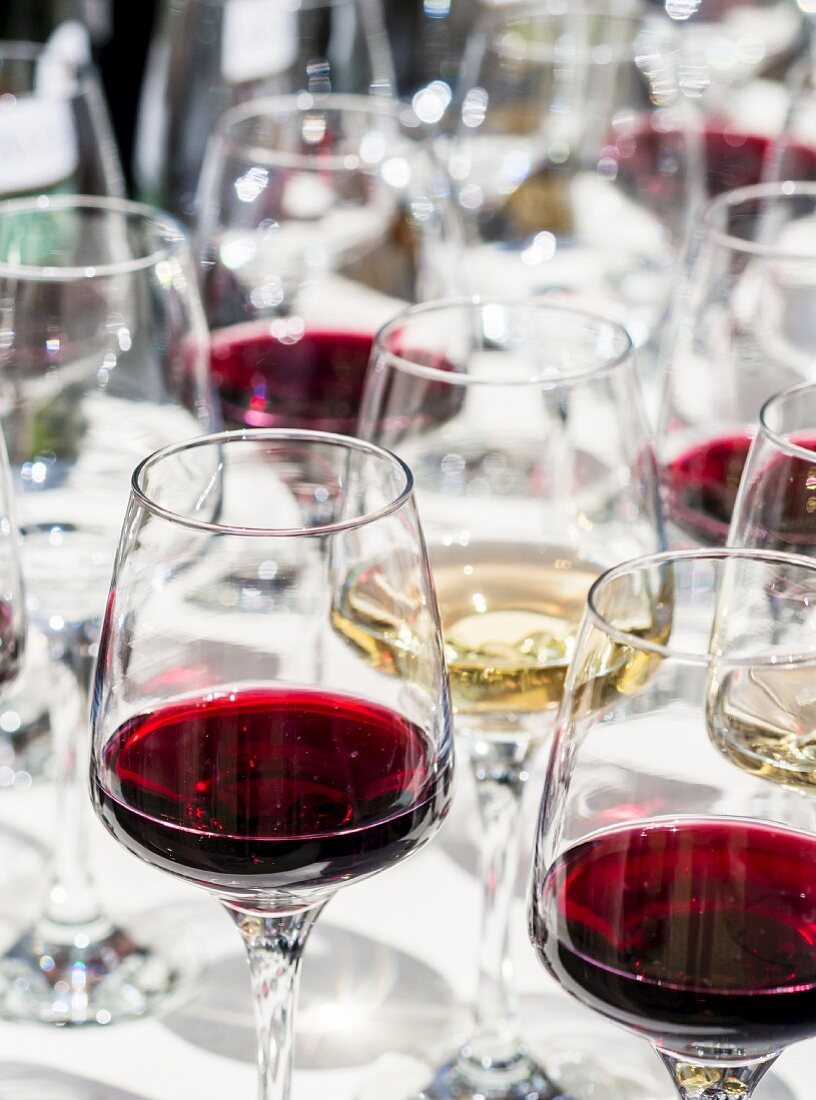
[[260, 39], [38, 146]]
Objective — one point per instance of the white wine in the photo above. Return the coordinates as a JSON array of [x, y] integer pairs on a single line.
[[509, 610], [764, 720], [510, 613]]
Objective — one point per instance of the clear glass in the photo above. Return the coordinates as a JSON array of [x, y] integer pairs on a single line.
[[741, 330], [55, 133], [534, 470], [660, 897], [574, 160], [774, 511], [730, 45], [238, 742], [209, 55], [103, 356], [320, 218]]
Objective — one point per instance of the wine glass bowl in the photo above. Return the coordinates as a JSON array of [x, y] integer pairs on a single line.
[[237, 742], [774, 506], [740, 333], [689, 928], [210, 55], [319, 217], [572, 159]]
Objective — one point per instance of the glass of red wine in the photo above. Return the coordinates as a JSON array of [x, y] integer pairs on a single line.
[[660, 897], [238, 742], [320, 217], [574, 159], [524, 425], [209, 55], [742, 329], [103, 356]]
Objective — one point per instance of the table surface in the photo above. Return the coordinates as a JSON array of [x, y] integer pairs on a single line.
[[388, 973]]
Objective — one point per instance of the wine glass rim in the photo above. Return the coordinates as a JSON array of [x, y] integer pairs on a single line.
[[295, 6], [258, 435], [527, 305], [299, 103], [781, 190], [781, 441], [631, 11], [19, 49], [669, 557], [53, 273]]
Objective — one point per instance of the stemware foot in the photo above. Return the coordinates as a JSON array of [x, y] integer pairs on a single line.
[[101, 975], [461, 1079]]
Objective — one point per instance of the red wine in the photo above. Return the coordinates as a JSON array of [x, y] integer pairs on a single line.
[[691, 931], [314, 380], [271, 790], [733, 158], [780, 502], [700, 487]]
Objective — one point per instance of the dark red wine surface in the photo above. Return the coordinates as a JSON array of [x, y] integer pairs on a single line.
[[271, 789], [700, 487], [690, 931], [311, 381]]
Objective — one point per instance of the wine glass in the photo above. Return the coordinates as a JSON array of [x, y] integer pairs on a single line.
[[774, 511], [209, 55], [742, 329], [320, 218], [237, 743], [574, 159], [728, 44], [102, 358], [55, 134], [660, 898], [523, 424]]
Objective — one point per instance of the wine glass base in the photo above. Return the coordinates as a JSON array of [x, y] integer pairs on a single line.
[[99, 978], [400, 1078]]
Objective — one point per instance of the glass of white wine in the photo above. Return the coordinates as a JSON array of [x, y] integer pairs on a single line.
[[765, 720], [523, 425]]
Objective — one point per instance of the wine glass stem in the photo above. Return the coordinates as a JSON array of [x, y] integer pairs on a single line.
[[72, 899], [697, 1081], [274, 946], [500, 770]]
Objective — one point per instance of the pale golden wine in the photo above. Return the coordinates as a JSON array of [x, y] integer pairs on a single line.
[[510, 612]]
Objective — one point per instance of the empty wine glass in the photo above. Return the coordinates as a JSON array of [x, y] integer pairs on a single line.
[[102, 357], [208, 55], [742, 329], [237, 742], [524, 427], [660, 898], [320, 218], [574, 160], [55, 133]]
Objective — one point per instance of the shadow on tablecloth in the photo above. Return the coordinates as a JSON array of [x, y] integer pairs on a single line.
[[19, 1081], [359, 1000]]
